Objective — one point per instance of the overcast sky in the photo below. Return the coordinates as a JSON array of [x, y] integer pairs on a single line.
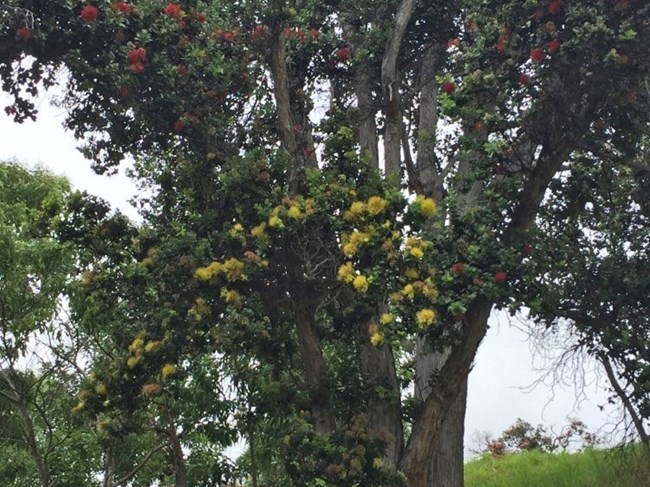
[[504, 368]]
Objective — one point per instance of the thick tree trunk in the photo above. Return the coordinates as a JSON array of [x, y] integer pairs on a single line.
[[314, 372], [446, 469], [416, 459], [385, 418]]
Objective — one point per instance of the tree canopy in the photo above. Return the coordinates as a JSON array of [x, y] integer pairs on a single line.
[[341, 195]]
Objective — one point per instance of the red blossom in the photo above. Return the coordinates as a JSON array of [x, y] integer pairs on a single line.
[[527, 250], [259, 32], [537, 55], [89, 13], [555, 6], [449, 87], [121, 7], [179, 125], [138, 55], [314, 33], [458, 268], [287, 33], [123, 92], [120, 36], [343, 54], [500, 277], [136, 68], [501, 45], [523, 79], [181, 69], [24, 33], [172, 10], [553, 46], [201, 17]]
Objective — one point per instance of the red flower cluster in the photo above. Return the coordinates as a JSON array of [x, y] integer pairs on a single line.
[[24, 33], [537, 55], [89, 13], [343, 54], [136, 59], [449, 87], [555, 6], [553, 46], [201, 17], [500, 277], [172, 10], [122, 7], [523, 79], [458, 268]]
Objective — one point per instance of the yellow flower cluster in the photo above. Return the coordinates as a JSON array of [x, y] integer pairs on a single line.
[[231, 296], [259, 231], [425, 318], [296, 209], [168, 369], [428, 207], [360, 283], [237, 232], [346, 272], [232, 268], [376, 337], [200, 309], [386, 319], [415, 247], [374, 206], [354, 241], [136, 351]]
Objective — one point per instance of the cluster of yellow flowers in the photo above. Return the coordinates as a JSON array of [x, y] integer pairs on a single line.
[[200, 309], [373, 206], [346, 273], [232, 268], [295, 209], [352, 242], [425, 318], [428, 207], [415, 247]]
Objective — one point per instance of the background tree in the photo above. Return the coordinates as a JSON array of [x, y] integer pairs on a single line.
[[275, 242]]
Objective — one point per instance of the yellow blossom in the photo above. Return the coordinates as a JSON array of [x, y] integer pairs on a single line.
[[200, 308], [360, 283], [234, 269], [147, 262], [231, 296], [376, 339], [377, 463], [346, 272], [425, 317], [101, 389], [258, 231], [428, 207], [357, 207], [411, 273], [430, 292], [409, 291], [350, 249], [152, 346], [294, 212], [168, 369], [203, 274], [136, 344], [133, 361], [416, 252], [274, 221], [102, 424], [237, 231], [386, 319], [376, 205], [358, 237], [395, 297]]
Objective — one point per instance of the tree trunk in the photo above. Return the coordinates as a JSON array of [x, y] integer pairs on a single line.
[[178, 462], [314, 373], [416, 459], [385, 417]]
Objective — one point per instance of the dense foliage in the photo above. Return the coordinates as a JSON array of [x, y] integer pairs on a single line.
[[285, 288]]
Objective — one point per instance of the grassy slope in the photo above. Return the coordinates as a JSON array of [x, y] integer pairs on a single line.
[[592, 468]]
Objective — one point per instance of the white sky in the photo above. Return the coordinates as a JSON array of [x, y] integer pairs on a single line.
[[504, 364]]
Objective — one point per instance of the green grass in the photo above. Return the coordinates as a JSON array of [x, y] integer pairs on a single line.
[[591, 468]]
